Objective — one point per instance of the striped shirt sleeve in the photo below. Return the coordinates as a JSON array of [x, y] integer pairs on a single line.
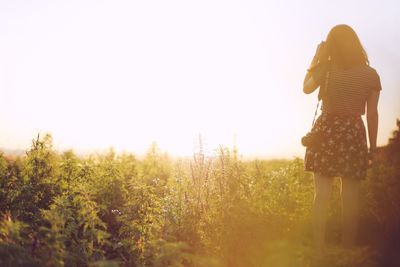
[[376, 81]]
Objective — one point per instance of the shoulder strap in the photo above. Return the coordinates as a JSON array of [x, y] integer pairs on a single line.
[[322, 90], [315, 113]]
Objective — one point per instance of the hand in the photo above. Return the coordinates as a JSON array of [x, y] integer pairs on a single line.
[[317, 56], [321, 51]]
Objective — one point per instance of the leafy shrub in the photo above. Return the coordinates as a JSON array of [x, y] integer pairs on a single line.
[[119, 210]]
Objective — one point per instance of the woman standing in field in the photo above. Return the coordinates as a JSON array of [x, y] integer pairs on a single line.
[[337, 146]]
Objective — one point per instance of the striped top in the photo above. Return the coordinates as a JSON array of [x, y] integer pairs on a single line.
[[347, 91]]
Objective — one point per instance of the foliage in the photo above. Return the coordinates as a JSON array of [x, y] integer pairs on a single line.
[[112, 209]]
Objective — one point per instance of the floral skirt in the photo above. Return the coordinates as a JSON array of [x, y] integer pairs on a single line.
[[343, 149]]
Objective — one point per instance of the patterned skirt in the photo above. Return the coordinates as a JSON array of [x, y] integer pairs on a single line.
[[342, 149]]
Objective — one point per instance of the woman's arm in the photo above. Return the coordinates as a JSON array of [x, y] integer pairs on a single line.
[[309, 84], [372, 118]]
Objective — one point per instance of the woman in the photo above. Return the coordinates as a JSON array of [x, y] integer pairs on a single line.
[[347, 84]]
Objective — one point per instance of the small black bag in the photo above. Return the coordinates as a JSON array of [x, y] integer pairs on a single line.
[[313, 138]]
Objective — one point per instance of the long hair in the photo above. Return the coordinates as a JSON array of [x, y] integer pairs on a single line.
[[344, 47]]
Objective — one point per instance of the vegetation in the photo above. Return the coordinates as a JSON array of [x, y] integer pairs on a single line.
[[58, 209]]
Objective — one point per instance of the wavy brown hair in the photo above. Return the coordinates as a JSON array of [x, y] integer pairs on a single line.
[[344, 47]]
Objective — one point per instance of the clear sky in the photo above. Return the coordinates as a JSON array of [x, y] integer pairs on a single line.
[[122, 74]]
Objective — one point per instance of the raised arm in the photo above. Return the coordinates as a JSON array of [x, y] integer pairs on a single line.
[[309, 84], [372, 119]]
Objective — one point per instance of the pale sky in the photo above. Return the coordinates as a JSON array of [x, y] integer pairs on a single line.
[[122, 74]]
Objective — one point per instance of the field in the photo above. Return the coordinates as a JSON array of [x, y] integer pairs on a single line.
[[58, 209]]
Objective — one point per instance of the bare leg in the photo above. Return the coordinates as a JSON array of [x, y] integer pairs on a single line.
[[323, 189], [350, 191]]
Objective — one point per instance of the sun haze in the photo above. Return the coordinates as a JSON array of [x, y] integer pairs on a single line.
[[97, 74]]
